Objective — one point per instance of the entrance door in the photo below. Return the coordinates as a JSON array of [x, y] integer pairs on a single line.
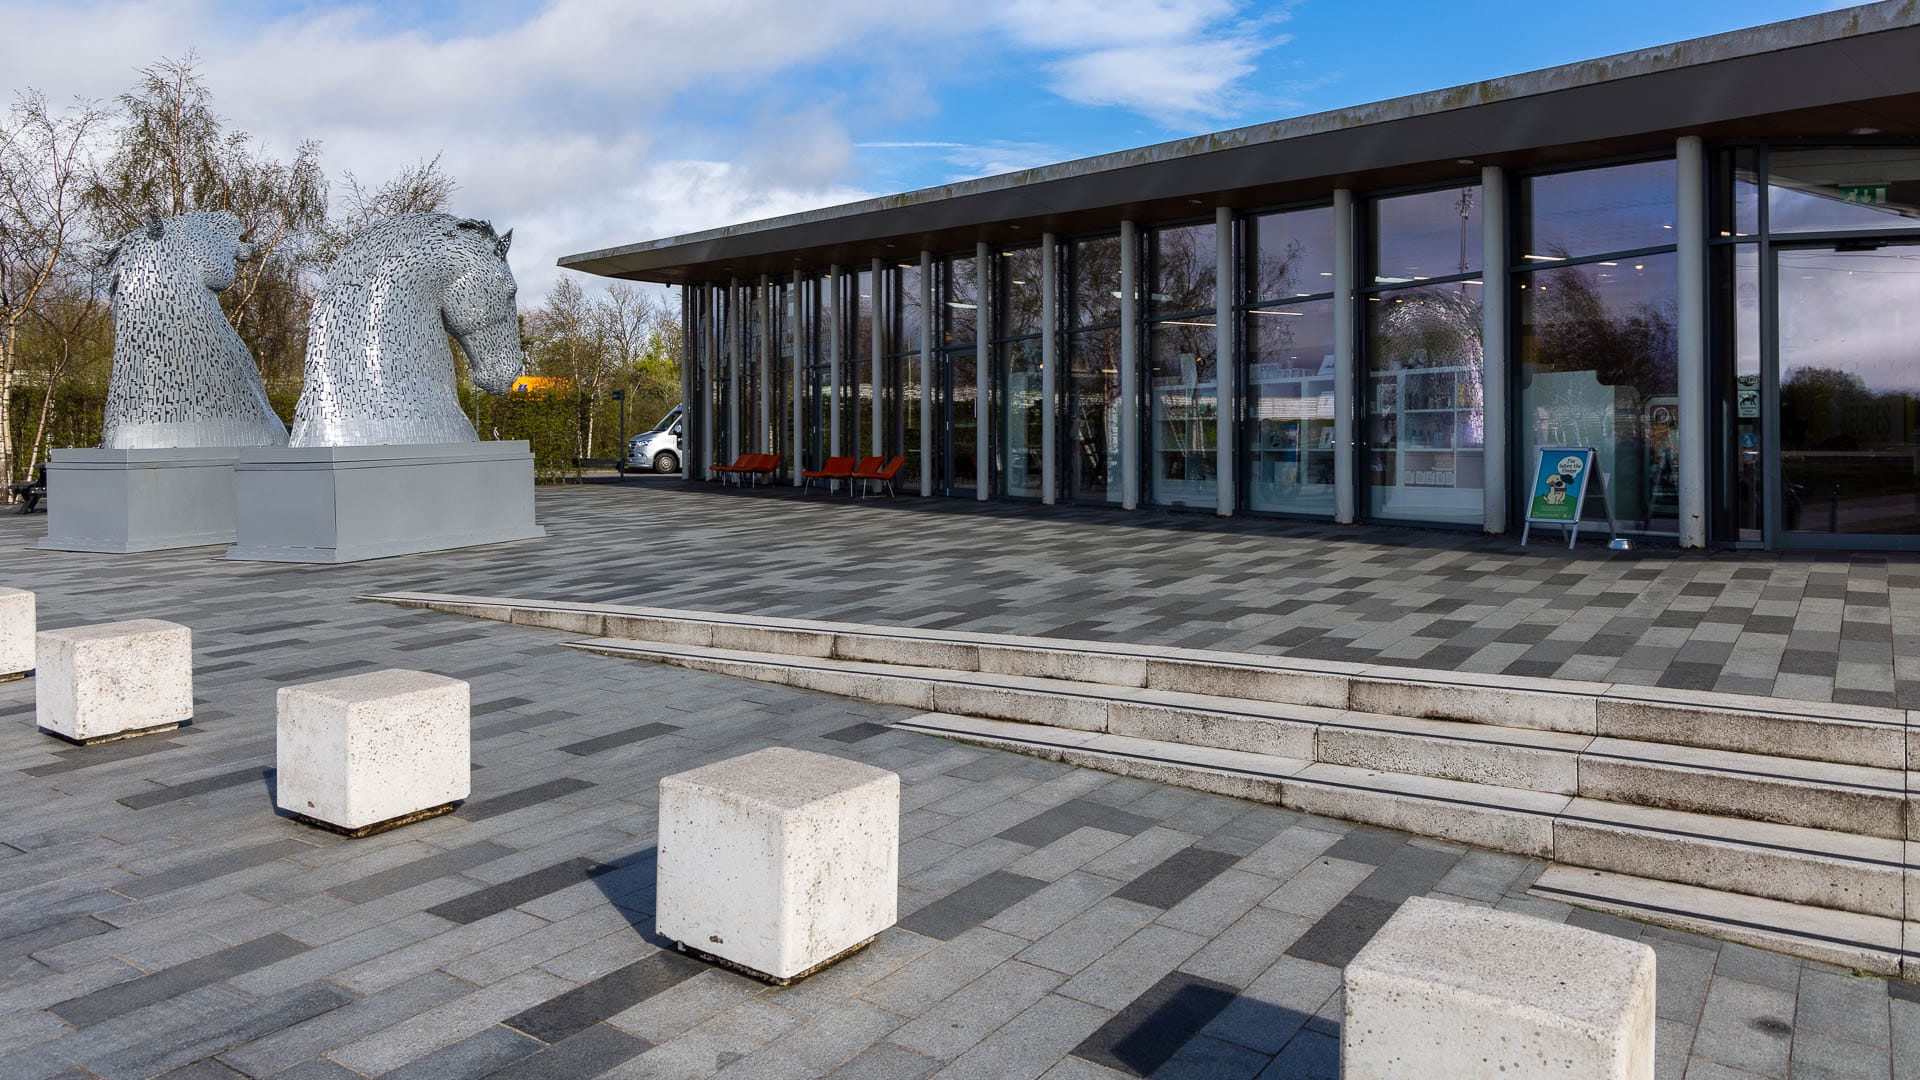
[[1847, 408], [1089, 437], [958, 422]]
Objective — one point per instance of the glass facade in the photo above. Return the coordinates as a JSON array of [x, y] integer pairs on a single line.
[[1811, 411], [1289, 383], [1424, 394], [1183, 380], [1597, 296]]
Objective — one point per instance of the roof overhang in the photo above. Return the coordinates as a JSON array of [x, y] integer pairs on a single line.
[[1820, 76]]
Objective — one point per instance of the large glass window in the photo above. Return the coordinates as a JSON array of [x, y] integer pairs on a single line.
[[1181, 367], [958, 367], [859, 416], [1843, 188], [1018, 379], [908, 318], [1424, 392], [1289, 346], [1598, 368], [1090, 412], [1597, 357]]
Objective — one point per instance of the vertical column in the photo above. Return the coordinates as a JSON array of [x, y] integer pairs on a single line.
[[688, 351], [799, 380], [926, 373], [833, 361], [982, 372], [1346, 399], [704, 406], [1690, 228], [1129, 367], [1497, 413], [1226, 365], [732, 327], [878, 381], [763, 424], [1049, 369]]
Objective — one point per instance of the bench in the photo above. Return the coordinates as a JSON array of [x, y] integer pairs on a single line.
[[30, 492]]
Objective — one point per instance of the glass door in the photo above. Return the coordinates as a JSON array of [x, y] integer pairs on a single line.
[[1847, 407]]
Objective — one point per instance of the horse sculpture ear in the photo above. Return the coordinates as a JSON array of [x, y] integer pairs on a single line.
[[501, 245], [155, 227]]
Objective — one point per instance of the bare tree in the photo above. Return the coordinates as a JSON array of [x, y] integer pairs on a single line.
[[43, 170], [420, 188], [72, 319]]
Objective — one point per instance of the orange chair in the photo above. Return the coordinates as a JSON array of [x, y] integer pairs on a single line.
[[741, 465], [882, 475], [836, 468], [768, 466]]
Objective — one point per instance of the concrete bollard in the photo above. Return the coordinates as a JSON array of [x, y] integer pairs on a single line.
[[779, 862], [366, 753], [1464, 992], [95, 684], [16, 634]]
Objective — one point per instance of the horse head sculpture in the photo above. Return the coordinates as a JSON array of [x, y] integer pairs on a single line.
[[379, 371], [181, 376]]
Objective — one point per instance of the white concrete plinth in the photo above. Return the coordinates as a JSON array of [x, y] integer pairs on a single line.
[[780, 861], [366, 753], [1464, 992], [122, 501], [113, 680], [334, 504], [16, 633]]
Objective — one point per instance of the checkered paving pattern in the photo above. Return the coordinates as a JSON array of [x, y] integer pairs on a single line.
[[158, 919]]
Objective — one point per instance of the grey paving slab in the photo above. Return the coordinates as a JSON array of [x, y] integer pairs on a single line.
[[147, 888]]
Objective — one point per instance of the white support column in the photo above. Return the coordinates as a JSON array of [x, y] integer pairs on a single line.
[[763, 423], [982, 372], [1129, 367], [926, 373], [707, 341], [1049, 369], [799, 380], [833, 363], [1690, 230], [1225, 363], [732, 327], [1497, 413], [1346, 399], [877, 381]]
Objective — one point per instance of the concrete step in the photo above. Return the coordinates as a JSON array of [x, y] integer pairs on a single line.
[[1863, 942], [1759, 787], [1798, 865], [1843, 734]]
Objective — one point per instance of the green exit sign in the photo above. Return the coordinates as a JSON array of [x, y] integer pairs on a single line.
[[1865, 194]]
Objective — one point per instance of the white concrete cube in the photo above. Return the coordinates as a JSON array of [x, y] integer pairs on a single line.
[[113, 680], [1464, 992], [16, 633], [779, 861], [368, 752]]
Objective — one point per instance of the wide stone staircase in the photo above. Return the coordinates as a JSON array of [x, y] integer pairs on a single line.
[[1785, 824]]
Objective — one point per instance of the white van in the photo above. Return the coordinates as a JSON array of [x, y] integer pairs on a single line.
[[657, 449]]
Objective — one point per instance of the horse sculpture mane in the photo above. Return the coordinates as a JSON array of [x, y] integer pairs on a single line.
[[181, 376], [378, 369]]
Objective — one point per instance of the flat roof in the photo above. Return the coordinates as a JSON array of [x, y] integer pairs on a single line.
[[1822, 75]]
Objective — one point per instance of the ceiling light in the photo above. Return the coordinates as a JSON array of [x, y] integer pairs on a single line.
[[1463, 161], [1544, 258], [1864, 131], [958, 304]]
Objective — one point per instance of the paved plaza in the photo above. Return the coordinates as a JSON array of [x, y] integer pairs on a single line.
[[158, 918]]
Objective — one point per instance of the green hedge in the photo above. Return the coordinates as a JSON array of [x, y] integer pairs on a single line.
[[73, 421]]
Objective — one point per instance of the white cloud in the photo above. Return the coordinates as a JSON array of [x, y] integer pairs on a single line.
[[1176, 61]]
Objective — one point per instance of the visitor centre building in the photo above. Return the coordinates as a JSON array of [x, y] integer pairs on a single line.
[[1701, 260]]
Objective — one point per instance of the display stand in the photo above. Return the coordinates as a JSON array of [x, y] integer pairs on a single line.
[[1564, 478]]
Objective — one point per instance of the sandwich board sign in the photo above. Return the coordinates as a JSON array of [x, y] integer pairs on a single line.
[[1563, 477]]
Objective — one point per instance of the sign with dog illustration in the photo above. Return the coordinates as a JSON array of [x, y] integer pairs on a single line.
[[1563, 476]]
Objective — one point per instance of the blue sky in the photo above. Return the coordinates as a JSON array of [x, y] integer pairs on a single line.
[[589, 123]]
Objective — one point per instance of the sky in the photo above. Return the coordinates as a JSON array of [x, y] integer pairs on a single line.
[[584, 124]]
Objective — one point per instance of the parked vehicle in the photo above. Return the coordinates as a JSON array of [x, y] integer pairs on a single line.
[[657, 449]]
